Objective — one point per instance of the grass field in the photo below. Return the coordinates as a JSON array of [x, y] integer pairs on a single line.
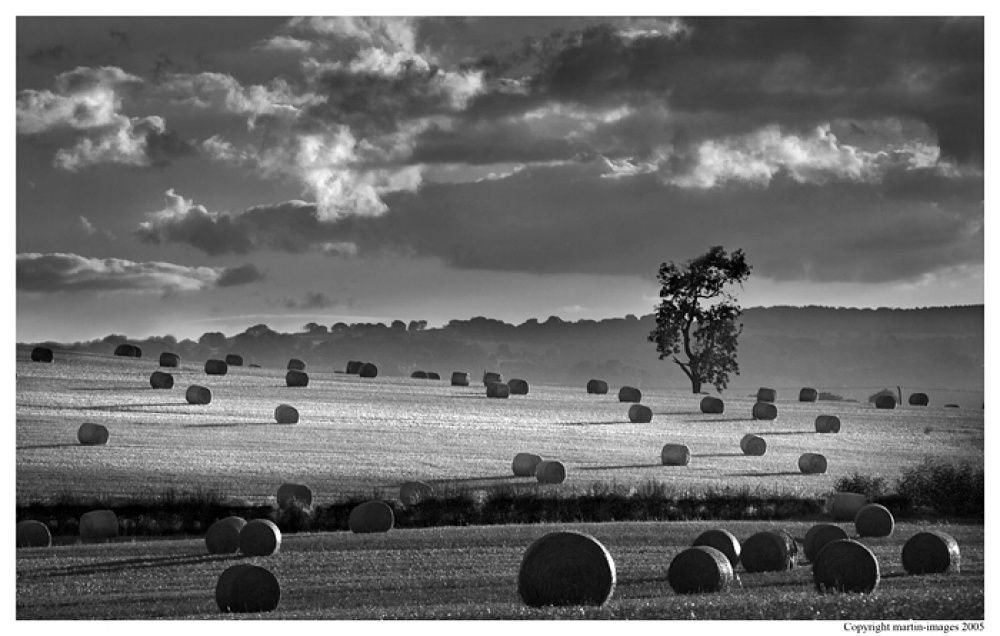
[[471, 573], [360, 436]]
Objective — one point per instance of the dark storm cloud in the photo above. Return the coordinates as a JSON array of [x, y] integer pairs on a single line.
[[162, 147], [556, 220], [292, 226], [576, 219], [241, 275], [62, 272], [749, 72]]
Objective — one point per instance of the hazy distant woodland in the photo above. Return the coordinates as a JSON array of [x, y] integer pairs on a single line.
[[848, 352]]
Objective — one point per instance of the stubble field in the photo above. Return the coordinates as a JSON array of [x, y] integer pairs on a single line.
[[359, 436], [365, 436]]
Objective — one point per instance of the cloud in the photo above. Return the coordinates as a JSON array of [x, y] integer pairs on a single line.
[[241, 275], [85, 98], [390, 33], [60, 272], [183, 222], [220, 92], [312, 300], [89, 229], [798, 72], [87, 102], [141, 142]]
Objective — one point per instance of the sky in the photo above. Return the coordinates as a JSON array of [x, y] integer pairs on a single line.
[[184, 175]]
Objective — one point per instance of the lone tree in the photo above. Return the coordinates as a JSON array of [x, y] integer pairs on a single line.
[[697, 317]]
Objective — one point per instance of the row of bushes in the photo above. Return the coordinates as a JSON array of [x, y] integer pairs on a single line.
[[936, 487], [932, 488]]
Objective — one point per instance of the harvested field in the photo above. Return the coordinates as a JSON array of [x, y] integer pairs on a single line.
[[471, 573], [368, 436]]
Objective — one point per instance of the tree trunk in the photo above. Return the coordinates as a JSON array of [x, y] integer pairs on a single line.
[[695, 384]]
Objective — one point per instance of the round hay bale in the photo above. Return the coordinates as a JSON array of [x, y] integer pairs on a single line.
[[951, 406], [919, 399], [223, 536], [753, 445], [296, 378], [827, 424], [566, 568], [640, 414], [675, 455], [128, 351], [420, 375], [765, 394], [524, 464], [711, 404], [930, 552], [161, 380], [246, 588], [629, 394], [368, 370], [98, 524], [489, 377], [299, 492], [700, 569], [198, 394], [764, 411], [807, 394], [260, 537], [812, 463], [234, 360], [168, 359], [413, 492], [354, 366], [294, 364], [722, 540], [459, 378], [518, 387], [885, 402], [767, 551], [216, 367], [41, 354], [874, 520], [549, 471], [845, 566], [433, 375], [33, 534], [286, 414], [92, 434], [597, 387], [497, 390], [845, 505], [793, 546], [371, 516], [818, 536]]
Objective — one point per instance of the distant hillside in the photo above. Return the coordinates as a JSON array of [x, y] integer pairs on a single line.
[[851, 352]]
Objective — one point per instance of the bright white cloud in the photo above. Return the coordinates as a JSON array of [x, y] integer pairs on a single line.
[[223, 93], [85, 98], [127, 143], [393, 34], [756, 157]]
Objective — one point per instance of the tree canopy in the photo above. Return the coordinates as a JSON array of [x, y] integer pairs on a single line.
[[697, 316]]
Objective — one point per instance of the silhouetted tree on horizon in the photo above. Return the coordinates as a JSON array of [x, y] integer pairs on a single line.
[[697, 317]]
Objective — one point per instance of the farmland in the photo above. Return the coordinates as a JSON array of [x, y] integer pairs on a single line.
[[471, 573], [360, 436], [363, 437]]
